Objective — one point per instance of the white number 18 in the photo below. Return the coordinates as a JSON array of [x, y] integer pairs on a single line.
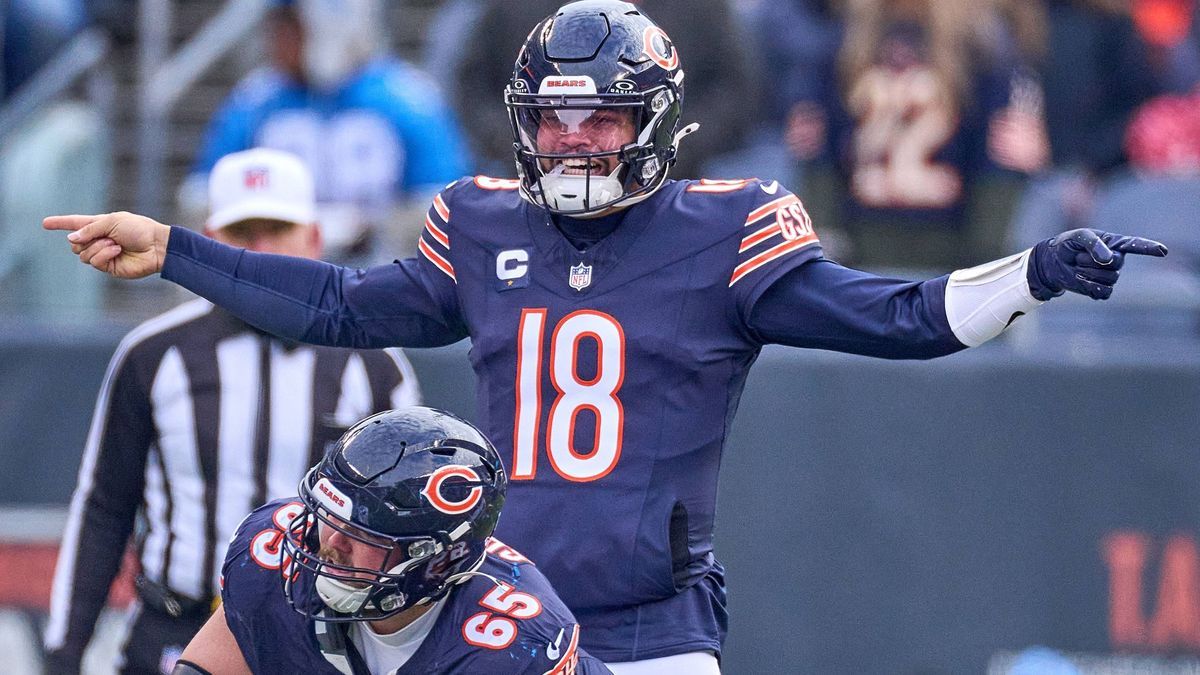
[[599, 394]]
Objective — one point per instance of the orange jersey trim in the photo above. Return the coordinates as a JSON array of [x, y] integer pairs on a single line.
[[750, 241], [437, 233], [436, 258], [707, 185], [442, 210], [770, 207], [769, 255]]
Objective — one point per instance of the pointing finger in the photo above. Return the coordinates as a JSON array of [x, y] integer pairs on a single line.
[[1138, 245], [70, 223]]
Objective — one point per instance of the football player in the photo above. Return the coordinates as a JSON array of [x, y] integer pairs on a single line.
[[614, 314], [384, 564]]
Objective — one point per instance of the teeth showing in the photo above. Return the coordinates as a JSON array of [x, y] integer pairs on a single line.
[[579, 167]]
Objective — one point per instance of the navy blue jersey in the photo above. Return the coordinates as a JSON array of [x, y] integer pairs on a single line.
[[506, 619], [608, 378]]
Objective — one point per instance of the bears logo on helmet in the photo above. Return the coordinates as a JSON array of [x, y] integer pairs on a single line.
[[433, 490], [419, 488]]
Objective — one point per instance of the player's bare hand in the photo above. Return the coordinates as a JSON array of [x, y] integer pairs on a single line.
[[125, 245]]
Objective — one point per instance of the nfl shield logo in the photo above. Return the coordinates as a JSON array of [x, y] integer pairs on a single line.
[[581, 277], [256, 178]]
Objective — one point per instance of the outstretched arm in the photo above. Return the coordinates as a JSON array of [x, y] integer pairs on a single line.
[[826, 306], [296, 298]]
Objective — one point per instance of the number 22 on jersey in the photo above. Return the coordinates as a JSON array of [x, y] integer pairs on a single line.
[[573, 394]]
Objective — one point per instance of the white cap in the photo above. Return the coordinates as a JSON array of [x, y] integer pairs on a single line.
[[260, 183]]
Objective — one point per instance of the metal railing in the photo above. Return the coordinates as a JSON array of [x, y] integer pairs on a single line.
[[163, 78], [85, 55]]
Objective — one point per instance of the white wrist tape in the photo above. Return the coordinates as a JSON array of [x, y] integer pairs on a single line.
[[982, 301]]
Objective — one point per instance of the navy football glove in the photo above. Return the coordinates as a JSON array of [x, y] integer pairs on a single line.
[[1083, 261]]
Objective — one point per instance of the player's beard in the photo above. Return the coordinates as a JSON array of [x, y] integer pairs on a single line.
[[335, 557]]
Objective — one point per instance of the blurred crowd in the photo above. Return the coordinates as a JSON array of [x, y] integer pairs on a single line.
[[923, 129], [919, 133]]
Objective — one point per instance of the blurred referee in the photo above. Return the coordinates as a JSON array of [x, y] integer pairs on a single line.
[[200, 419]]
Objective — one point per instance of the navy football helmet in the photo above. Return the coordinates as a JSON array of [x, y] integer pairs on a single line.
[[593, 65], [421, 488]]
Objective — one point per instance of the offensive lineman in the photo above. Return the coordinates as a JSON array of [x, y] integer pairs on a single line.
[[614, 314], [384, 564]]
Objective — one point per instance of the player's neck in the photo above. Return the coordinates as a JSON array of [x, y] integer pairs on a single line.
[[584, 233], [400, 621]]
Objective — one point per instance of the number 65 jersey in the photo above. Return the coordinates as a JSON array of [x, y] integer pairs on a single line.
[[504, 620]]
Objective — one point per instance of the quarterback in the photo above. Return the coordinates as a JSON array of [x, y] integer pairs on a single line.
[[614, 314]]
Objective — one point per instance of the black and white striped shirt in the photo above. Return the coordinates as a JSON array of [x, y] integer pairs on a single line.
[[200, 419]]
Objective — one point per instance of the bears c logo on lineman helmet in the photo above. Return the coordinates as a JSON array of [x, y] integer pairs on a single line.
[[433, 489]]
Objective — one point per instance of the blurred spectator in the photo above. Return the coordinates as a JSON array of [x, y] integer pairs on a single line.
[[56, 156], [895, 97], [1017, 136], [796, 65], [1094, 71], [453, 23], [33, 30], [1164, 136], [800, 41], [58, 159], [1171, 30], [374, 130], [720, 83]]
